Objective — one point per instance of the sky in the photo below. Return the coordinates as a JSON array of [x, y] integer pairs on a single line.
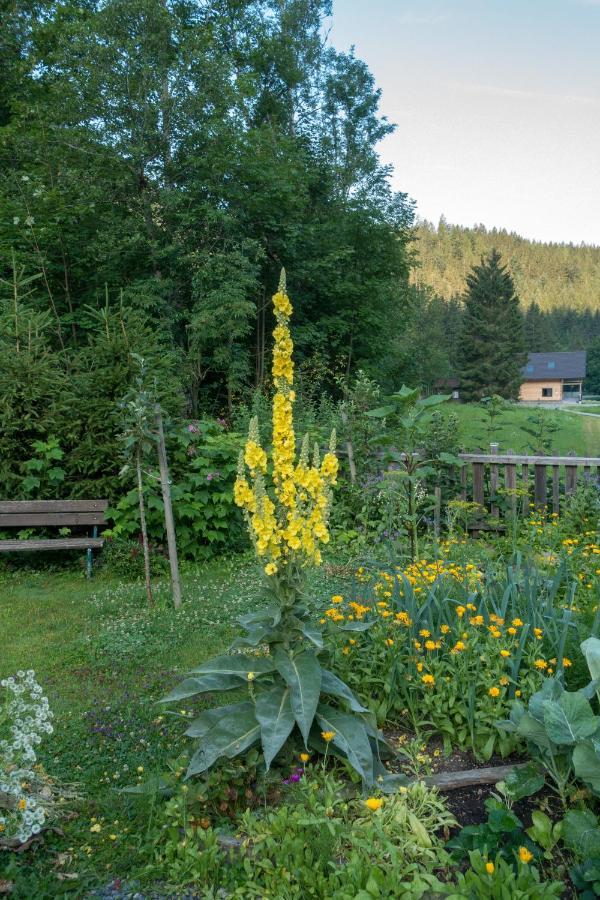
[[497, 107]]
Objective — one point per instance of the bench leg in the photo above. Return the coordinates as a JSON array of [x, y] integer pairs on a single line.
[[90, 555]]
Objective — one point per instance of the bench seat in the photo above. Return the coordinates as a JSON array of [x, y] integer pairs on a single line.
[[75, 543]]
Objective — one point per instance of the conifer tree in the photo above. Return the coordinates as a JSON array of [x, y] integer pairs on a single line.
[[493, 340]]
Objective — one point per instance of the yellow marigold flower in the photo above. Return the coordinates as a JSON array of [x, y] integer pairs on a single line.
[[505, 653], [270, 568], [430, 645], [337, 598], [460, 611], [328, 736], [428, 680], [538, 633], [512, 631], [566, 662], [517, 623], [445, 629], [95, 829], [494, 691], [304, 757], [374, 803], [518, 693], [504, 681], [476, 620], [525, 855], [389, 642], [419, 667], [22, 804], [490, 868], [424, 633], [541, 664], [459, 645]]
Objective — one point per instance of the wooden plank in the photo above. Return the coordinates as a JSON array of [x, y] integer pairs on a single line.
[[494, 488], [503, 459], [510, 484], [19, 520], [478, 492], [525, 486], [556, 489], [570, 478], [51, 544], [463, 483], [48, 506], [437, 509], [540, 489]]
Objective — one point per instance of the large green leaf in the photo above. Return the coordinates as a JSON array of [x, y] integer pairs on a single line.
[[231, 734], [581, 833], [551, 689], [276, 720], [208, 718], [433, 400], [586, 762], [570, 719], [350, 736], [237, 664], [314, 635], [302, 674], [533, 731], [215, 681], [524, 781], [331, 684], [591, 651]]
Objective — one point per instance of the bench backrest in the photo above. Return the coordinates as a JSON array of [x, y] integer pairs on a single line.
[[24, 513]]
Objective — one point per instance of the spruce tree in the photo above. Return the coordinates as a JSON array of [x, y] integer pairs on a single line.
[[493, 339]]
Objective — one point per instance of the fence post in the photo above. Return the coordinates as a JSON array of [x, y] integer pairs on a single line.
[[570, 478], [478, 490], [555, 489], [437, 509]]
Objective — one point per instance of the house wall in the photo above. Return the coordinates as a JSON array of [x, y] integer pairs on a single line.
[[532, 390]]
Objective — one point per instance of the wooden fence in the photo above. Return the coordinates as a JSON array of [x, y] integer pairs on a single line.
[[511, 476]]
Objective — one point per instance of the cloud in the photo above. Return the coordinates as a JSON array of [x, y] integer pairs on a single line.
[[519, 94]]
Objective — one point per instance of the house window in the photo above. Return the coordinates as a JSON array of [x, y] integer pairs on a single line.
[[530, 368], [546, 392], [551, 364]]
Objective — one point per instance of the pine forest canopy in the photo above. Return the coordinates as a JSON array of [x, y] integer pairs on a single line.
[[160, 161], [564, 276]]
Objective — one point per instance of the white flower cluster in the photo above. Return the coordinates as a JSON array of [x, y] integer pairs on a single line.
[[25, 718]]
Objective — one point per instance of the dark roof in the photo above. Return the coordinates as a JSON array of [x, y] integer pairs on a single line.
[[544, 366]]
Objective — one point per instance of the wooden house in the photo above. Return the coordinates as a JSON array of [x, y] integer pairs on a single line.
[[553, 377]]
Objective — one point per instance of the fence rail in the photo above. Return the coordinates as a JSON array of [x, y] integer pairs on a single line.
[[519, 472]]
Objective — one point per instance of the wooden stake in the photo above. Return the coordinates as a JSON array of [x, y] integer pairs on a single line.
[[138, 468], [169, 523]]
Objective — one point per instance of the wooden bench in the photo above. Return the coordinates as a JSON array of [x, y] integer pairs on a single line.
[[53, 513]]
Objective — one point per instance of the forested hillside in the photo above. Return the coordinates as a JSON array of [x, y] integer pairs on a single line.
[[549, 275]]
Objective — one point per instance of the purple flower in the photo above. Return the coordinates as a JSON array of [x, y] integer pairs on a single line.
[[193, 428]]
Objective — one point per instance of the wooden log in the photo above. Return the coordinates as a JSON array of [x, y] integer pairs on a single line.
[[452, 781], [478, 489], [540, 497]]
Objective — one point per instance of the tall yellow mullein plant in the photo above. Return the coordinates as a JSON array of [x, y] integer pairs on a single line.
[[286, 499]]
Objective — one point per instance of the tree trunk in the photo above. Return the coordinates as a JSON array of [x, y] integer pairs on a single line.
[[138, 466], [169, 522]]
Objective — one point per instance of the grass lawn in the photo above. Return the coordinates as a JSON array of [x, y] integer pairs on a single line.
[[575, 433], [104, 658]]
